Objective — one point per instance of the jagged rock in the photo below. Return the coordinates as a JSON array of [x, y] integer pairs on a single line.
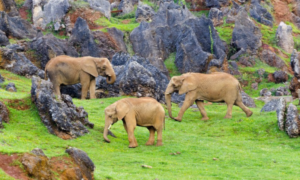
[[247, 100], [273, 60], [216, 16], [175, 29], [101, 5], [118, 37], [126, 6], [294, 86], [17, 63], [233, 68], [48, 46], [284, 37], [282, 91], [295, 63], [247, 61], [4, 114], [144, 13], [261, 72], [217, 3], [37, 165], [60, 116], [265, 92], [3, 39], [83, 39], [292, 122], [136, 77], [280, 111], [254, 85], [280, 76], [11, 87], [10, 7], [260, 13], [296, 20], [86, 165], [245, 34], [16, 27], [272, 105], [1, 79], [233, 12], [71, 174]]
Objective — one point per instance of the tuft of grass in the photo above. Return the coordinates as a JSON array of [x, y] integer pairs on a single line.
[[117, 23], [225, 32], [214, 149], [170, 65]]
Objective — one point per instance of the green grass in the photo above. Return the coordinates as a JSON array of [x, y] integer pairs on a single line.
[[170, 65], [243, 148], [225, 32], [117, 23]]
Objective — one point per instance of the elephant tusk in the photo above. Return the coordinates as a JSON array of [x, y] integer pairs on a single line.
[[109, 127]]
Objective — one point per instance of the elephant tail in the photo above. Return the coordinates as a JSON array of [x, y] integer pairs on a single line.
[[240, 88]]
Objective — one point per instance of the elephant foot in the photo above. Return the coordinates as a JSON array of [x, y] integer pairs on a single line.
[[177, 119], [227, 117], [132, 145], [205, 119], [149, 143], [249, 114], [159, 143]]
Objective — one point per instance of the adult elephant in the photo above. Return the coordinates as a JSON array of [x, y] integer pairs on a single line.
[[144, 111], [69, 70], [215, 87]]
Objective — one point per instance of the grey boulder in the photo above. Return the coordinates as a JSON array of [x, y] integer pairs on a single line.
[[284, 37], [292, 121]]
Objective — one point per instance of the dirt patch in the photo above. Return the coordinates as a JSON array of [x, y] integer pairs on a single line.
[[126, 21], [19, 104], [23, 11], [7, 165], [59, 164], [282, 10], [88, 14]]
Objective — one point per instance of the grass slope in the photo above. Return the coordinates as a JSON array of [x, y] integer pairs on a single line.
[[243, 148]]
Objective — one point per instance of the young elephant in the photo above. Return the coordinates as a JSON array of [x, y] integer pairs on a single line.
[[145, 111], [215, 87], [69, 70]]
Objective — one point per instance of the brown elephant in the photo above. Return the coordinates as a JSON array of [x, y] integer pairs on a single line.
[[69, 70], [144, 111], [215, 87]]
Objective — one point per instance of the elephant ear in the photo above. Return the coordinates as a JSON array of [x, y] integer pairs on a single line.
[[89, 66], [122, 109], [188, 84]]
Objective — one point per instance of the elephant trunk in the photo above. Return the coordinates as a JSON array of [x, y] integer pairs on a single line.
[[111, 79], [168, 101], [105, 132]]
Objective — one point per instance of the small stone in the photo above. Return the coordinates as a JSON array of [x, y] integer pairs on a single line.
[[146, 166]]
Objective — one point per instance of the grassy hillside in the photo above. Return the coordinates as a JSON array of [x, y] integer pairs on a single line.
[[237, 148]]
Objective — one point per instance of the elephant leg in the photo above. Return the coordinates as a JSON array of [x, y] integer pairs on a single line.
[[244, 108], [229, 110], [189, 100], [159, 136], [92, 88], [84, 89], [56, 88], [151, 136], [125, 127], [130, 130], [200, 105]]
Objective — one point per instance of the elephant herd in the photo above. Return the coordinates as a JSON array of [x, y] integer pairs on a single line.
[[145, 111]]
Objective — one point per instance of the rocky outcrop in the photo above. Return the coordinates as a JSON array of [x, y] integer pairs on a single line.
[[216, 16], [48, 46], [17, 63], [144, 13], [1, 79], [135, 77], [233, 12], [118, 38], [282, 91], [16, 27], [83, 39], [280, 111], [284, 37], [37, 165], [272, 105], [273, 60], [85, 164], [3, 39], [60, 116], [175, 29], [280, 76], [4, 114], [101, 5], [265, 92], [217, 3], [292, 121], [10, 7], [247, 100], [245, 36], [260, 13], [11, 87], [295, 82]]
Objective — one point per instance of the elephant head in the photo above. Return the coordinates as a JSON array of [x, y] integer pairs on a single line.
[[113, 113], [180, 84], [99, 66]]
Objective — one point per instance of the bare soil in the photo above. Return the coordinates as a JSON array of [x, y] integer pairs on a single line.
[[282, 10], [89, 15], [15, 171], [18, 104]]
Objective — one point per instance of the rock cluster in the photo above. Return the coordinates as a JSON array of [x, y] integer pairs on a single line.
[[144, 13], [273, 60], [39, 166], [60, 116], [295, 82], [260, 13], [4, 114]]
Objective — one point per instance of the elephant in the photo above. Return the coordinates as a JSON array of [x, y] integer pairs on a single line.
[[144, 111], [214, 87], [69, 70]]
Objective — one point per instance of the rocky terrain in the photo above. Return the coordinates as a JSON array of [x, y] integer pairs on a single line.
[[148, 42]]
